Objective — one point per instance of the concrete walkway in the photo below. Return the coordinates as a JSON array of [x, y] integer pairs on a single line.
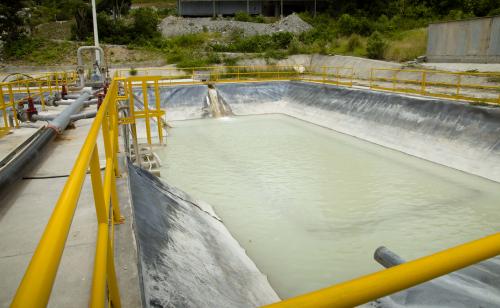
[[24, 212]]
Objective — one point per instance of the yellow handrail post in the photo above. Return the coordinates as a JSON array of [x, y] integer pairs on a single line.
[[371, 78], [238, 70], [109, 149], [159, 123], [323, 72], [114, 125], [114, 291], [424, 76], [42, 98], [394, 80], [146, 110], [99, 277], [4, 109], [459, 82], [12, 104]]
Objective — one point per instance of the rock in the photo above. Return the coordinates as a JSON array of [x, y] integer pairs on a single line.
[[173, 26]]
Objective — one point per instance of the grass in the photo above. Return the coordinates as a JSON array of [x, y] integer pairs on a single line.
[[407, 45], [39, 51]]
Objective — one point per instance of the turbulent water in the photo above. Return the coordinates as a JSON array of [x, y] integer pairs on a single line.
[[310, 205]]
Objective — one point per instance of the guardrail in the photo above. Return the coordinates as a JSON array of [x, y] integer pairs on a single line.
[[22, 87], [469, 86], [197, 75], [36, 285], [442, 84]]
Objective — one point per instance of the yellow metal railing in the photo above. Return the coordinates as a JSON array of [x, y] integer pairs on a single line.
[[36, 285], [442, 84], [147, 113], [199, 75], [20, 87], [370, 287], [5, 106]]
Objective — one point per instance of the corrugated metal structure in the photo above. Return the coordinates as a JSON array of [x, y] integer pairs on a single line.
[[255, 7], [473, 40]]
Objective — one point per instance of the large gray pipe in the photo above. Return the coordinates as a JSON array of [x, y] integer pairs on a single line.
[[387, 258], [16, 166], [69, 102], [62, 120], [74, 117]]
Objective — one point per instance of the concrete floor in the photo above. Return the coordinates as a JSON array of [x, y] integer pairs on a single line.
[[25, 211]]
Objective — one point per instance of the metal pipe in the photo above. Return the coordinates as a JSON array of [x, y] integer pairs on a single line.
[[86, 103], [61, 122], [387, 258], [74, 117], [16, 167]]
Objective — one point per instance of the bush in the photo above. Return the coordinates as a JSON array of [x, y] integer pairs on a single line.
[[346, 24], [242, 16], [145, 22], [353, 42], [132, 72], [275, 54], [376, 46]]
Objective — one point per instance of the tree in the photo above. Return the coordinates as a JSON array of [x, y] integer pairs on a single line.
[[145, 22], [11, 20], [83, 17], [114, 7], [375, 47]]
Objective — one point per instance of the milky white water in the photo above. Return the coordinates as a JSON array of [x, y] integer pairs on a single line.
[[310, 205]]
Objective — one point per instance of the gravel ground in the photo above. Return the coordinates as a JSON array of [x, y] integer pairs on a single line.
[[172, 26]]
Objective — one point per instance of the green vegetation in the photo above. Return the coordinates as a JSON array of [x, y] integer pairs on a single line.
[[40, 51], [375, 48], [243, 16], [390, 29]]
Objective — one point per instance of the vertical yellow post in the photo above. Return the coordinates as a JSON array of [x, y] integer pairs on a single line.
[[107, 132], [42, 98], [133, 125], [158, 109], [459, 83], [146, 110], [371, 78], [192, 75], [323, 72], [4, 110], [424, 77], [49, 84], [114, 124], [238, 70], [114, 293], [12, 104], [394, 80], [98, 291], [337, 76]]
